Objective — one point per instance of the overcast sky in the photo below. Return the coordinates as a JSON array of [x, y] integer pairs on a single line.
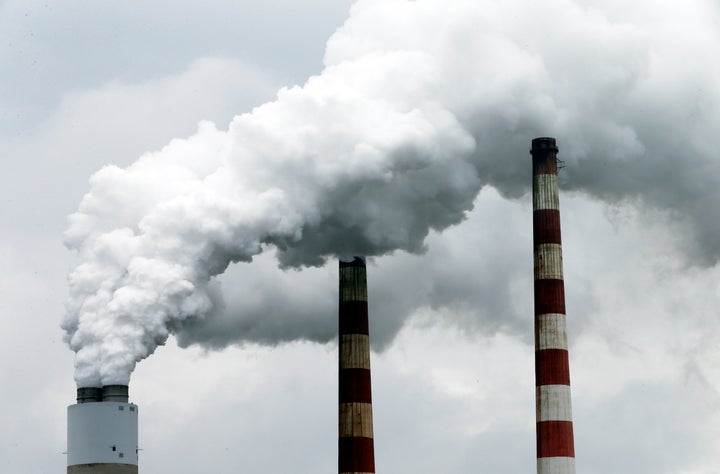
[[442, 100]]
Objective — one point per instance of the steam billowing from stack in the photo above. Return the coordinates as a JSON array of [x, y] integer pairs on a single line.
[[367, 174], [102, 432], [356, 450], [419, 106]]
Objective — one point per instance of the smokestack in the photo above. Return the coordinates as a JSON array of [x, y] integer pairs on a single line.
[[115, 393], [554, 428], [89, 394], [102, 432], [356, 453]]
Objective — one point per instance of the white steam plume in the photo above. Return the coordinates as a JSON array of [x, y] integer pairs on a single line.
[[420, 105]]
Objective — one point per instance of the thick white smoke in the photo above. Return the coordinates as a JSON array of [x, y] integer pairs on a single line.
[[420, 104]]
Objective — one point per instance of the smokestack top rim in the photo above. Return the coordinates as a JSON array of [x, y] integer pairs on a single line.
[[115, 393], [543, 144], [89, 394], [355, 261]]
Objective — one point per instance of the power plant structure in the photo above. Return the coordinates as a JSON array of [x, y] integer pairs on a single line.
[[356, 451], [102, 429], [102, 432], [554, 425]]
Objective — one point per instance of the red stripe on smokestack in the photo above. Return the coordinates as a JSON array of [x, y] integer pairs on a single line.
[[555, 439], [555, 445], [354, 317], [356, 454], [549, 296], [355, 386], [546, 226], [551, 367]]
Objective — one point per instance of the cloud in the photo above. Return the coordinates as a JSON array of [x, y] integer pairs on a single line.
[[110, 41], [47, 167]]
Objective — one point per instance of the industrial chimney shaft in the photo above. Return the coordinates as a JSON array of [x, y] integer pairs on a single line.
[[554, 423], [102, 432], [356, 451]]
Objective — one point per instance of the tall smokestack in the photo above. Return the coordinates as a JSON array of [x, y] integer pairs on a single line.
[[555, 445], [102, 432], [356, 453]]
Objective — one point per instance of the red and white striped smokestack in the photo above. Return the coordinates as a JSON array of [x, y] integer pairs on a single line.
[[356, 453], [555, 445]]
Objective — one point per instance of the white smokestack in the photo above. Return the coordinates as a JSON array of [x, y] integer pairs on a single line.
[[102, 432]]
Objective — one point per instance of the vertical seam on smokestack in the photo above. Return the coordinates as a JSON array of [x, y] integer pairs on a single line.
[[355, 426], [554, 425]]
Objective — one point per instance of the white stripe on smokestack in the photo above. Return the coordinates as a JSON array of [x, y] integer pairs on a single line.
[[559, 465], [553, 403], [355, 351], [545, 192], [554, 425], [550, 332], [548, 262], [356, 452], [356, 420]]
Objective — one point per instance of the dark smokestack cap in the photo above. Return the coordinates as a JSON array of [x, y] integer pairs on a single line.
[[115, 393], [352, 262], [543, 144], [89, 394]]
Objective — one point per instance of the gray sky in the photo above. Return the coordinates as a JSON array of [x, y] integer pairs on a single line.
[[631, 94]]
